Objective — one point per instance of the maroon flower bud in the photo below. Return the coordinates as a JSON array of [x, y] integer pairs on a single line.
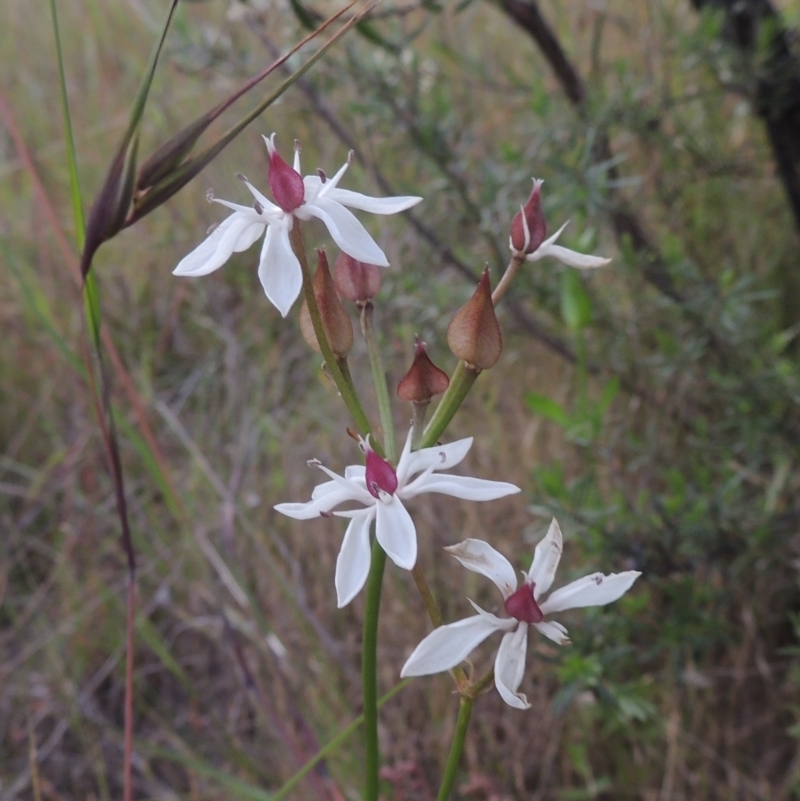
[[286, 184], [335, 319], [356, 280], [522, 605], [474, 333], [423, 379], [528, 228]]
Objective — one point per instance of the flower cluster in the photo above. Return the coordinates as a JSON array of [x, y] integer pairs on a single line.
[[377, 491]]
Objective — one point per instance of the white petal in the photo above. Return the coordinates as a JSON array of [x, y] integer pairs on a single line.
[[316, 506], [234, 233], [594, 590], [324, 489], [352, 564], [500, 623], [347, 489], [447, 646], [469, 489], [548, 242], [348, 233], [271, 211], [355, 471], [567, 256], [545, 560], [479, 557], [553, 630], [279, 269], [376, 205], [395, 531], [356, 488], [509, 667], [438, 457]]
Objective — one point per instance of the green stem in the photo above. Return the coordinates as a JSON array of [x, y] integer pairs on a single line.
[[460, 385], [427, 596], [379, 377], [369, 673], [456, 747], [343, 384]]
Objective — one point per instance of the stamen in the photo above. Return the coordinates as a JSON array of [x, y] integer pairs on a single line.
[[210, 195], [242, 178], [258, 207], [322, 175]]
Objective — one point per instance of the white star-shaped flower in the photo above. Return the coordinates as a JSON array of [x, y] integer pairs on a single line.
[[383, 490], [528, 229], [448, 645], [296, 197]]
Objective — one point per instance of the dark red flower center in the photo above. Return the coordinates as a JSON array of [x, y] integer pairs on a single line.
[[531, 215], [380, 475], [522, 605], [286, 184]]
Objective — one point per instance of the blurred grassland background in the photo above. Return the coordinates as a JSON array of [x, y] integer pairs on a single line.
[[652, 406]]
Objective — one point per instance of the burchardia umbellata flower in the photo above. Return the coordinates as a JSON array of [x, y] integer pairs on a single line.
[[448, 645], [383, 491], [296, 197], [528, 231]]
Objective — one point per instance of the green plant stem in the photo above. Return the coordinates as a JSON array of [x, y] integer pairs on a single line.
[[460, 385], [456, 747], [369, 673], [427, 596], [343, 383], [379, 378]]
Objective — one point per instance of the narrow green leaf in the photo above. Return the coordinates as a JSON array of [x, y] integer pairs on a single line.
[[576, 307], [75, 191], [37, 301], [546, 407], [151, 463], [610, 391], [240, 790], [152, 637], [304, 16]]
